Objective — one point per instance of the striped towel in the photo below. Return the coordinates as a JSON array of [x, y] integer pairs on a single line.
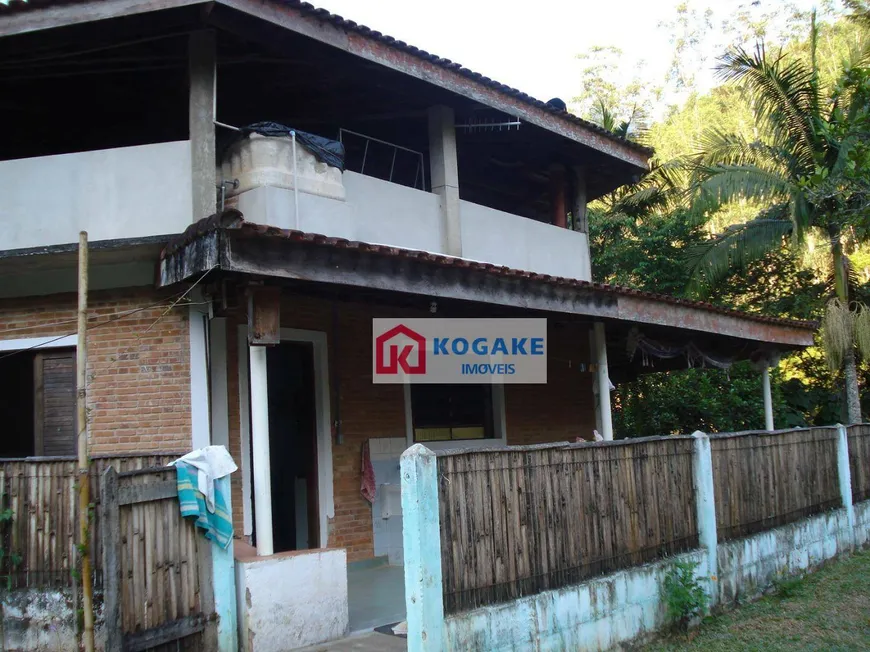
[[218, 526]]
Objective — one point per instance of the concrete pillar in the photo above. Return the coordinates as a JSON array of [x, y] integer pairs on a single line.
[[844, 473], [202, 57], [557, 196], [223, 566], [705, 506], [444, 169], [579, 220], [603, 381], [768, 401], [421, 535], [578, 206], [260, 450]]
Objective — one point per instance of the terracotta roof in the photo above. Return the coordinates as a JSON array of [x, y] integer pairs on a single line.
[[232, 219], [342, 23]]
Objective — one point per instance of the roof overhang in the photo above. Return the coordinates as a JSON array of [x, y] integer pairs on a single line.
[[250, 249], [40, 271], [357, 40]]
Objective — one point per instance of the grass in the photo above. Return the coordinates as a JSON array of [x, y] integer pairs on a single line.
[[828, 610]]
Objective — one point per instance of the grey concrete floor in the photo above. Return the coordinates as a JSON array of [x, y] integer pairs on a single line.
[[376, 596], [370, 642]]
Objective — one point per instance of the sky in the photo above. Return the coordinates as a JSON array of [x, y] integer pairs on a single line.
[[532, 45]]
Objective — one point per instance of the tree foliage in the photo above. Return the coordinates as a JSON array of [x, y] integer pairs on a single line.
[[778, 156]]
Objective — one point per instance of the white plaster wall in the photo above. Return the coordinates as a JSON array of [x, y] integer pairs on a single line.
[[387, 532], [380, 212], [518, 242], [126, 192], [292, 600], [862, 523], [750, 565], [374, 211], [596, 615]]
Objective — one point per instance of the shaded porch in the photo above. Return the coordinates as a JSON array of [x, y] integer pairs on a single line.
[[276, 288]]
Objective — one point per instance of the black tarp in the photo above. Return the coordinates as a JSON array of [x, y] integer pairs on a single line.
[[328, 151]]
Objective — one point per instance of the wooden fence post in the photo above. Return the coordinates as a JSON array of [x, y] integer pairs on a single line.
[[845, 475], [424, 592], [111, 536], [705, 504]]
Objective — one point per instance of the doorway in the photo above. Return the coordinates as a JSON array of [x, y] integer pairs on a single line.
[[293, 446]]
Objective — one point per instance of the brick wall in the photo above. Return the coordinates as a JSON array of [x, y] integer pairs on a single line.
[[564, 408], [561, 410], [139, 379], [366, 410]]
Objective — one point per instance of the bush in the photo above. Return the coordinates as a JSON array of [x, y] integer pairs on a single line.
[[683, 595]]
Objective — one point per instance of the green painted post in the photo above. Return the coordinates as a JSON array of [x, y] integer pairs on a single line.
[[421, 534], [705, 506]]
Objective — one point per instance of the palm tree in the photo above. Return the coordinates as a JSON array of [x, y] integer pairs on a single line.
[[810, 169]]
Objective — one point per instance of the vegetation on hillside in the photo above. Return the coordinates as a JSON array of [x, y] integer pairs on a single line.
[[759, 199]]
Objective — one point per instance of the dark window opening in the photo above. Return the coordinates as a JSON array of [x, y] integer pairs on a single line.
[[37, 403], [451, 412]]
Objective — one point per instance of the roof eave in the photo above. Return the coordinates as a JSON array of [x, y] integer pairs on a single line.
[[360, 41], [264, 251], [451, 76]]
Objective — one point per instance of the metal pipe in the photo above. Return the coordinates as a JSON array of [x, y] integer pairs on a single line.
[[226, 126]]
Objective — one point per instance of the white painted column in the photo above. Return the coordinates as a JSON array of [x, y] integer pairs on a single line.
[[421, 537], [768, 401], [260, 446], [220, 426], [603, 381], [444, 169], [199, 403], [844, 473], [705, 507]]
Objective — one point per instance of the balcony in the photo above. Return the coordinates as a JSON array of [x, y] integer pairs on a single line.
[[127, 192], [136, 192], [367, 209]]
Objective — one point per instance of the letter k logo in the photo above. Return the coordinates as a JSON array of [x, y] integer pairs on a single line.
[[389, 358]]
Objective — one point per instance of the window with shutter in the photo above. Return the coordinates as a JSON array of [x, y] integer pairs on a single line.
[[37, 403], [54, 374]]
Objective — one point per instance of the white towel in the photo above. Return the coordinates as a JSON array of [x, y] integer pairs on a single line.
[[211, 463]]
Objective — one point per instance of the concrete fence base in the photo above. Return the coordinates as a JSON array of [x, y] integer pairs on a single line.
[[622, 607], [627, 606]]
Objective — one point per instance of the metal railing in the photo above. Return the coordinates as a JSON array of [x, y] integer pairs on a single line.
[[384, 154]]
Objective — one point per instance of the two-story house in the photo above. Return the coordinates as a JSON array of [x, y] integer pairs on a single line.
[[235, 273]]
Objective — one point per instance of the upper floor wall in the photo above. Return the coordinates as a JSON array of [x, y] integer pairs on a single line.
[[127, 192], [380, 212], [141, 191], [306, 194]]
